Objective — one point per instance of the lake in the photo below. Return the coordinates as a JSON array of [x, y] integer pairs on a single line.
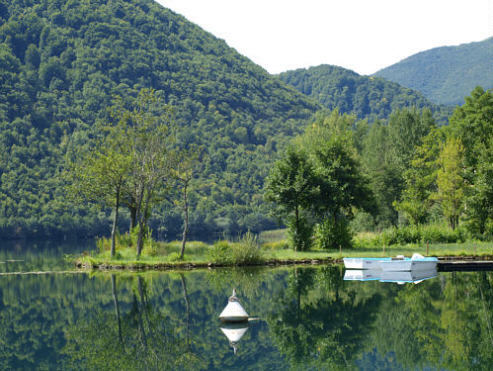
[[308, 318]]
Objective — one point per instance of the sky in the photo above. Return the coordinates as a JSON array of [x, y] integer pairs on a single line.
[[361, 35]]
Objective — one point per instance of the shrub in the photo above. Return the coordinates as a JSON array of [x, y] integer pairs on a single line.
[[221, 252], [301, 237], [247, 250], [173, 257], [276, 245], [330, 235], [433, 233]]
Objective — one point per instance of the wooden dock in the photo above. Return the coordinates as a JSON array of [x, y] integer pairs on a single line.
[[464, 265]]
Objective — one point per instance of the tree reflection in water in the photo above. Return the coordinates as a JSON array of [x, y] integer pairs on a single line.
[[309, 318]]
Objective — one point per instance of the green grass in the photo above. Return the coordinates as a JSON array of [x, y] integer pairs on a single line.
[[272, 236], [272, 247]]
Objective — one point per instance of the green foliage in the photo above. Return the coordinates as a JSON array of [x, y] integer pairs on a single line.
[[388, 154], [330, 234], [479, 211], [472, 124], [413, 234], [247, 250], [128, 240], [276, 245], [320, 180], [291, 184], [420, 180], [300, 233], [450, 181], [220, 252], [174, 257], [292, 187], [366, 97], [341, 183], [384, 178], [406, 129], [445, 75]]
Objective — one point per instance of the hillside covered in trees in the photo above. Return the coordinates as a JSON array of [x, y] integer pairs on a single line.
[[364, 96], [66, 65], [447, 74], [63, 63]]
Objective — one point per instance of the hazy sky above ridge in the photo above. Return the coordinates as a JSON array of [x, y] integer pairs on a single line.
[[362, 35]]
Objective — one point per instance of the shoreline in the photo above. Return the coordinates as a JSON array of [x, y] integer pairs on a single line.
[[161, 266], [471, 261]]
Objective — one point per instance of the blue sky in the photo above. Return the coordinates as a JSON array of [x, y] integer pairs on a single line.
[[362, 35]]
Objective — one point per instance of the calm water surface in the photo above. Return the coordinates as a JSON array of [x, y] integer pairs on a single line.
[[309, 318]]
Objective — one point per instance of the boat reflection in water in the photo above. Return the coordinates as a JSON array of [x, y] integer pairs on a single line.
[[399, 277]]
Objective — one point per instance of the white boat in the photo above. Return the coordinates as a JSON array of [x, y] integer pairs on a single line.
[[363, 263], [233, 312], [415, 263]]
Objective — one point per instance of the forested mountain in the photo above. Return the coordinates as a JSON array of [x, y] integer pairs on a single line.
[[63, 62], [447, 74], [365, 96]]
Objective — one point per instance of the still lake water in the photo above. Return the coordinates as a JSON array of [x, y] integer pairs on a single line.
[[309, 318]]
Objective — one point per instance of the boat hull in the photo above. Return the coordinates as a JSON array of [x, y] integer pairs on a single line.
[[409, 265]]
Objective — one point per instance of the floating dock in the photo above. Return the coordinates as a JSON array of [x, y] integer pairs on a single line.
[[464, 265]]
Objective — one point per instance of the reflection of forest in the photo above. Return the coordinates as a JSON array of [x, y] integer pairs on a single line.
[[310, 318]]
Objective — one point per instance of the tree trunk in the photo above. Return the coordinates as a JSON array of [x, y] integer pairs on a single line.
[[143, 223], [140, 238], [138, 215], [185, 227], [133, 217], [297, 226], [115, 222]]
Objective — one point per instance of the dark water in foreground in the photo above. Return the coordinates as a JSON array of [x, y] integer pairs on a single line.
[[309, 318]]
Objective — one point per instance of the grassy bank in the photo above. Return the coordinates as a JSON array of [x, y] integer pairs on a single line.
[[247, 251], [269, 249]]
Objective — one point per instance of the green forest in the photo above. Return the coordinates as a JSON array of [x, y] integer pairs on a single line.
[[367, 97], [343, 175], [373, 155], [445, 75]]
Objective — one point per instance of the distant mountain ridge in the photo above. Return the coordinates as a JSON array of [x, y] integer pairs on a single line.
[[365, 96], [447, 74]]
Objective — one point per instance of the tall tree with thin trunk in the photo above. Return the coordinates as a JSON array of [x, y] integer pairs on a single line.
[[450, 181], [100, 173], [183, 172], [150, 129], [291, 186]]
